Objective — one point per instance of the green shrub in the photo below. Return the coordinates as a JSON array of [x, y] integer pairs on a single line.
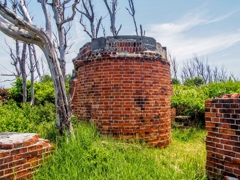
[[175, 81], [37, 119], [43, 91], [197, 81], [190, 100]]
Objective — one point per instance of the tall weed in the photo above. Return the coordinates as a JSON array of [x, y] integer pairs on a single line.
[[87, 155]]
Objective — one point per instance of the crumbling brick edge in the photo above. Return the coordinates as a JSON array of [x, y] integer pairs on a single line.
[[222, 117], [21, 154]]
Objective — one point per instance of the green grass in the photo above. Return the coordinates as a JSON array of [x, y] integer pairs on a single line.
[[91, 156]]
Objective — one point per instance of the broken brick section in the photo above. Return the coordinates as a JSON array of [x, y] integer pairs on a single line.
[[222, 116], [122, 84], [21, 154]]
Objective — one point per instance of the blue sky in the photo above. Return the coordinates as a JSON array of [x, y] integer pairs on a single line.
[[207, 28]]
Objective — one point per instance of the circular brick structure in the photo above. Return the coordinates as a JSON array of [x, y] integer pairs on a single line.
[[123, 85]]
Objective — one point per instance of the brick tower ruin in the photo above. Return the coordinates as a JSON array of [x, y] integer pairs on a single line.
[[122, 84]]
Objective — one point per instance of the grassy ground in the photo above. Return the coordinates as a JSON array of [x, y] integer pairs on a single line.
[[91, 156]]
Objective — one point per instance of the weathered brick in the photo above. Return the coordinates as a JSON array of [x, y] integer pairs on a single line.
[[125, 89], [225, 155], [14, 162]]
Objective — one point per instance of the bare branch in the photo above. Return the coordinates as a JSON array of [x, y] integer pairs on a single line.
[[15, 62], [7, 80], [36, 61], [9, 75], [18, 33], [18, 22], [104, 31], [90, 15], [141, 31], [98, 26], [112, 13], [47, 16], [118, 30], [73, 12], [132, 13], [84, 26], [173, 65]]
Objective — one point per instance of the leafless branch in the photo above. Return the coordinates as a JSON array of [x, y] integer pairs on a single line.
[[84, 26], [173, 65], [73, 11], [104, 31], [112, 12], [132, 13], [88, 12]]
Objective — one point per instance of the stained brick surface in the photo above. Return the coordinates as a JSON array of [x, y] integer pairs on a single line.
[[21, 154], [125, 94], [223, 139]]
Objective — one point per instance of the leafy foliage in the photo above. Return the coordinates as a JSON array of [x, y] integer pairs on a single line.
[[197, 81], [175, 81], [190, 100], [26, 118], [44, 91]]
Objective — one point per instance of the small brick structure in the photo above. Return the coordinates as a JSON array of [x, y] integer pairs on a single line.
[[222, 116], [21, 154], [122, 83]]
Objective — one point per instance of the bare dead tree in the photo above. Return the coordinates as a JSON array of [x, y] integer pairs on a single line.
[[132, 13], [31, 68], [18, 28], [62, 23], [215, 74], [23, 71], [173, 65], [15, 62], [199, 67], [233, 77], [188, 70], [222, 76], [36, 62], [84, 26], [209, 73], [112, 13], [88, 12]]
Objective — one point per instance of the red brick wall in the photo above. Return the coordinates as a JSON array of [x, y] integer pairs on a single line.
[[18, 160], [125, 95], [173, 114], [223, 139]]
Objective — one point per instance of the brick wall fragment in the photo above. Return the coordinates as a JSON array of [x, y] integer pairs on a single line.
[[21, 154], [222, 116]]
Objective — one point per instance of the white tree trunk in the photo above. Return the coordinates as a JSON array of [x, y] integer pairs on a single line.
[[31, 73], [23, 72], [22, 30]]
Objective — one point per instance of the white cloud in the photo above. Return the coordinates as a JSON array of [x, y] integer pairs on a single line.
[[175, 35]]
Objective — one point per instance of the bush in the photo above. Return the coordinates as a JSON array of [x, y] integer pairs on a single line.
[[175, 81], [37, 119], [4, 95], [190, 100], [197, 81], [44, 91]]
